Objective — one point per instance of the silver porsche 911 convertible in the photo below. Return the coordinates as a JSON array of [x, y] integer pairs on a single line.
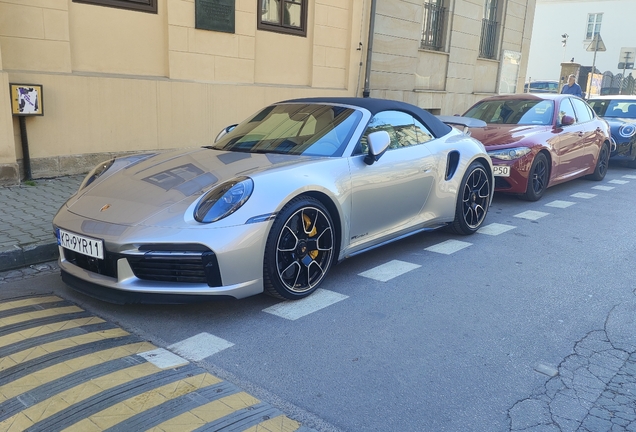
[[272, 204]]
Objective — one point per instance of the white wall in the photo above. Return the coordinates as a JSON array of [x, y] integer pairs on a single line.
[[556, 17]]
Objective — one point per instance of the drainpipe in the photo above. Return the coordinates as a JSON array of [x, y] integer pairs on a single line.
[[367, 71]]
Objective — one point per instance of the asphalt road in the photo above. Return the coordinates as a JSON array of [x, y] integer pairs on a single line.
[[528, 329]]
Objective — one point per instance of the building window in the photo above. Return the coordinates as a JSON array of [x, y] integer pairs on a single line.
[[283, 16], [593, 25], [136, 5], [433, 25], [489, 30]]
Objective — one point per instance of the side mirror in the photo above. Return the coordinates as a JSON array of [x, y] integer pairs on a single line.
[[225, 131], [378, 143], [567, 120]]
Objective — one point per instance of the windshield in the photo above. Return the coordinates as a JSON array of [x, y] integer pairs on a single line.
[[514, 112], [614, 108], [295, 129]]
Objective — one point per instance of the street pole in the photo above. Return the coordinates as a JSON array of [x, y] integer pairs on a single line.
[[620, 90], [589, 81]]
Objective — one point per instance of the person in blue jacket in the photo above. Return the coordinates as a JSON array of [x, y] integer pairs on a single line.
[[572, 87]]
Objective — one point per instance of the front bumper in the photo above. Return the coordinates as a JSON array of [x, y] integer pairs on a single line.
[[517, 182], [159, 265]]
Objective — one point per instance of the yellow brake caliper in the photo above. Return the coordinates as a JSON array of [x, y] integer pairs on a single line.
[[314, 253]]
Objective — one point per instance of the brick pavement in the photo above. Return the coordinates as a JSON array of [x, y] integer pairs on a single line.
[[26, 214]]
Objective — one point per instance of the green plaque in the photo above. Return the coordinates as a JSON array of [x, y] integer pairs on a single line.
[[217, 15]]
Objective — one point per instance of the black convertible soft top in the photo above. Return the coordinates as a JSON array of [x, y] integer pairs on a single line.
[[436, 126]]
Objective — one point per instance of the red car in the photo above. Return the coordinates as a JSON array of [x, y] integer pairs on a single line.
[[537, 141]]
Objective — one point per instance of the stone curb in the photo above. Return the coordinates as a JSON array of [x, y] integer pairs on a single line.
[[18, 257]]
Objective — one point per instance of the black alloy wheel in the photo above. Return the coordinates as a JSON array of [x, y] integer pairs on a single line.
[[538, 178], [473, 200], [601, 164], [299, 250]]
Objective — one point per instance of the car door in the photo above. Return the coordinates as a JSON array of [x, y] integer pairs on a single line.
[[570, 143], [389, 194], [592, 136]]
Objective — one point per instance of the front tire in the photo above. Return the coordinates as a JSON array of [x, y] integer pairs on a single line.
[[300, 249], [537, 178], [601, 164], [473, 200]]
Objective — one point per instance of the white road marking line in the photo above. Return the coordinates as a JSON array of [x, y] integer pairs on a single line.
[[200, 346], [560, 204], [531, 215], [583, 195], [163, 358], [603, 188], [292, 310], [629, 176], [495, 229], [448, 247], [546, 370], [619, 181], [390, 270]]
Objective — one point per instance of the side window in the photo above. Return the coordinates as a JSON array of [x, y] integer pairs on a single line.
[[582, 112], [402, 129], [566, 109], [283, 16], [423, 134]]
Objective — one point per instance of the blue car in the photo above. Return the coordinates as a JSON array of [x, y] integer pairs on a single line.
[[620, 112]]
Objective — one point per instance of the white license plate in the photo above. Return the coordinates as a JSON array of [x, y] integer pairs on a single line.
[[81, 244], [501, 170]]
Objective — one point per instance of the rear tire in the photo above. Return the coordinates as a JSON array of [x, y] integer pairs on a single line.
[[473, 200], [537, 178], [300, 249], [601, 164]]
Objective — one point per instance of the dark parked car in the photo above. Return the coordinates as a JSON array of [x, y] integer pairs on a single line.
[[620, 113], [537, 141]]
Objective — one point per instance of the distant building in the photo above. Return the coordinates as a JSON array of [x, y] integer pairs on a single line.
[[574, 23]]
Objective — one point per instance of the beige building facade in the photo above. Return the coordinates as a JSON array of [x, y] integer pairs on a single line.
[[445, 55], [122, 76]]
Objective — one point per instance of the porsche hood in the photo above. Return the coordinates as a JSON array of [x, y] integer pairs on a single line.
[[130, 194]]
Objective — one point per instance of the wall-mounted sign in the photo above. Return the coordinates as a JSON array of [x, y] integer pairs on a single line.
[[217, 15], [26, 99]]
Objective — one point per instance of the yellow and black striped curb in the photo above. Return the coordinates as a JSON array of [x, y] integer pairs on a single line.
[[62, 368]]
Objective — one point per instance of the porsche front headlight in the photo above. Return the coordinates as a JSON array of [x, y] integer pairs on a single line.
[[509, 154], [96, 172], [223, 200]]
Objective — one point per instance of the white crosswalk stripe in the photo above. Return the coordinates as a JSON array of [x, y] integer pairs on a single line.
[[200, 346], [390, 270], [448, 247], [603, 188], [583, 195], [619, 181], [629, 176], [495, 229], [531, 215], [292, 310], [560, 204]]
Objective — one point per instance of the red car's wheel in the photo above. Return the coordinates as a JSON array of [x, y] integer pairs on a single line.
[[537, 179], [601, 164]]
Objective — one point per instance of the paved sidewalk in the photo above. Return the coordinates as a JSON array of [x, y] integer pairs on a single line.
[[26, 215]]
